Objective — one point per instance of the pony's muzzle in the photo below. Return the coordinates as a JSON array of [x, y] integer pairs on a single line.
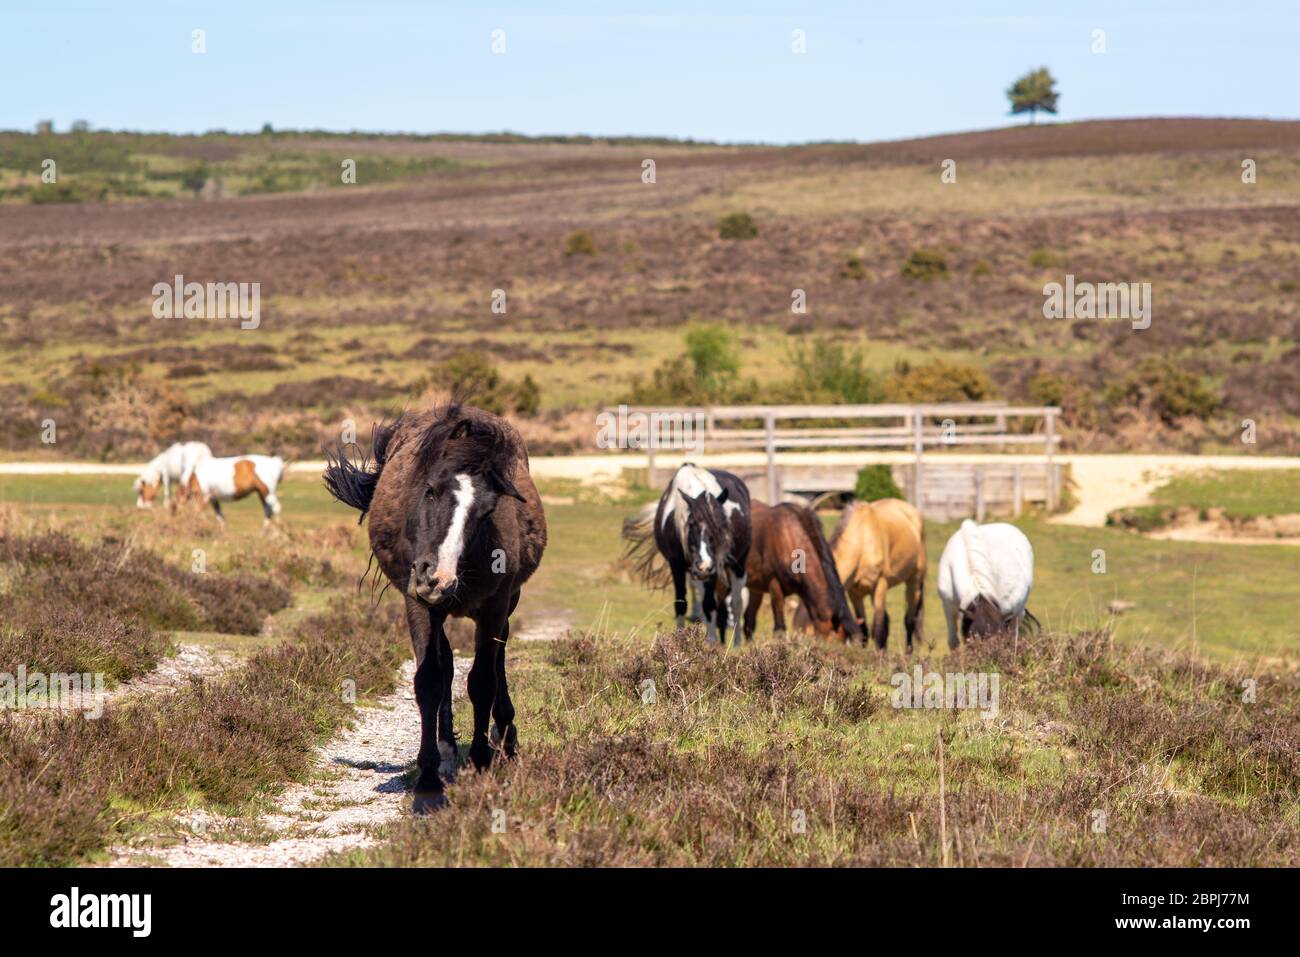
[[426, 583]]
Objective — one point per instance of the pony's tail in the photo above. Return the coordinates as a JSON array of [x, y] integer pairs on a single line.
[[839, 600], [642, 551], [352, 483]]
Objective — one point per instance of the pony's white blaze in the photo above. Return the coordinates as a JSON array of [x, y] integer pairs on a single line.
[[705, 561], [691, 482], [450, 550]]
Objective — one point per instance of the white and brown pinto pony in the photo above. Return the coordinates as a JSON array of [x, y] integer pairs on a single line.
[[213, 481], [170, 467], [985, 575]]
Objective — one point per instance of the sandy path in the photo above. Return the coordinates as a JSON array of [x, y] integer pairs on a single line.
[[1103, 483], [358, 786], [543, 628]]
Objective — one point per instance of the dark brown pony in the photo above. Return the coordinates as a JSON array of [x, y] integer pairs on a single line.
[[457, 525], [790, 556]]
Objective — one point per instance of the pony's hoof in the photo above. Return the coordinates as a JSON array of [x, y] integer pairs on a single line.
[[429, 802], [505, 742], [480, 754], [447, 765]]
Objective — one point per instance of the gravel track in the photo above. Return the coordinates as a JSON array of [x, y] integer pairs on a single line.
[[358, 786]]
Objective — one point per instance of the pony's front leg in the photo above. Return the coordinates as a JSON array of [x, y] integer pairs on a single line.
[[428, 695], [880, 613], [503, 709], [737, 597], [751, 611], [489, 633], [778, 610], [696, 600], [447, 750], [679, 593], [711, 609], [951, 615]]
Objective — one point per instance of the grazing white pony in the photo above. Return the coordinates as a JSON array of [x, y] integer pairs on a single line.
[[984, 579], [214, 481], [175, 464]]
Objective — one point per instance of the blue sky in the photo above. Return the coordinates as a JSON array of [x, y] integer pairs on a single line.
[[725, 71]]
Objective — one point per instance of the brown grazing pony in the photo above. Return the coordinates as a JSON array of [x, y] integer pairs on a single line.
[[790, 556], [877, 545], [457, 525]]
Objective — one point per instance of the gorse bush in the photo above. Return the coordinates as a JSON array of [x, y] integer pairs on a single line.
[[938, 381], [737, 226], [1168, 392]]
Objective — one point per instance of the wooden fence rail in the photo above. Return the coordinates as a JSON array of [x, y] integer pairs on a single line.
[[808, 427]]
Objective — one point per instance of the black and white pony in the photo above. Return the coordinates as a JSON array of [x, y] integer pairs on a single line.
[[701, 528]]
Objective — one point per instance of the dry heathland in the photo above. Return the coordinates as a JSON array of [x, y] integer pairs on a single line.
[[373, 293]]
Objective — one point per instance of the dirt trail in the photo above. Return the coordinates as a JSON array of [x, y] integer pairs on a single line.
[[543, 628], [1102, 483], [358, 785]]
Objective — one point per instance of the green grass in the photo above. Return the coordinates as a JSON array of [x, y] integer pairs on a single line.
[[1241, 494], [101, 166], [1223, 601]]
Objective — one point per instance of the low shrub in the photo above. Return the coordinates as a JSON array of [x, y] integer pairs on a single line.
[[876, 482], [938, 381], [925, 265], [737, 226], [580, 244]]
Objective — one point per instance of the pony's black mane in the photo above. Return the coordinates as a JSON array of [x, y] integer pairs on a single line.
[[463, 440], [714, 519], [353, 483]]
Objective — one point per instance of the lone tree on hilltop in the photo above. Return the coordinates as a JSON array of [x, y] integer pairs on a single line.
[[1033, 92]]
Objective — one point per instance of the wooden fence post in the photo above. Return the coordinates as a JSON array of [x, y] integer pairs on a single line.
[[1017, 493], [1051, 468], [918, 496], [979, 493], [769, 423]]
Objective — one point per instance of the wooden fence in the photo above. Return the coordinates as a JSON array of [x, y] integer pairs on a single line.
[[916, 428]]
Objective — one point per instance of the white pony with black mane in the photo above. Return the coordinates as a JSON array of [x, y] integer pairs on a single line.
[[172, 466], [985, 576]]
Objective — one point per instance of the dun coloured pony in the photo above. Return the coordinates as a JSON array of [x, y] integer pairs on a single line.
[[701, 525], [457, 525], [213, 481], [173, 465], [878, 545], [790, 556], [985, 574]]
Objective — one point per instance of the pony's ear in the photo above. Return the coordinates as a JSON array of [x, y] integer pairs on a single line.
[[503, 485], [722, 496]]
